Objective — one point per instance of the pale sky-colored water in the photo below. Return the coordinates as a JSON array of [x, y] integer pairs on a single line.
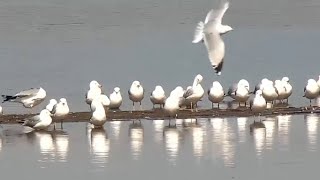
[[286, 147]]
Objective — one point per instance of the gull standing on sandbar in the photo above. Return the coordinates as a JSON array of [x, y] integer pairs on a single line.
[[158, 96], [210, 32], [115, 99], [194, 93], [136, 93], [216, 93], [93, 92]]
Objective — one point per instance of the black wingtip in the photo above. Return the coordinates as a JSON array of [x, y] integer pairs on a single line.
[[218, 68], [7, 98]]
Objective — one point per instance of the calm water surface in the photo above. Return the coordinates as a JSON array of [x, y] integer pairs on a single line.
[[282, 147]]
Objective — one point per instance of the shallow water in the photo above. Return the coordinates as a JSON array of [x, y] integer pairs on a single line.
[[63, 45], [282, 147]]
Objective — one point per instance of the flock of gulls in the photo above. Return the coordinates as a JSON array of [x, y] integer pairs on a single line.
[[208, 32], [266, 93]]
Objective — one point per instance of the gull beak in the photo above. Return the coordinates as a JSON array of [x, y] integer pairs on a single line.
[[100, 86]]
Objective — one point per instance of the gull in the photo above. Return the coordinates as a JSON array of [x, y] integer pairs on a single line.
[[104, 100], [29, 98], [312, 90], [136, 93], [115, 99], [195, 93], [93, 92], [158, 96], [288, 88], [171, 105], [280, 88], [209, 31], [240, 91], [179, 93], [52, 102], [260, 85], [98, 117], [258, 104], [60, 110], [215, 93], [269, 92], [41, 121]]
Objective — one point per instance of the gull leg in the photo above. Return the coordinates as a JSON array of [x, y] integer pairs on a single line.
[[211, 105], [140, 106], [61, 125], [218, 105]]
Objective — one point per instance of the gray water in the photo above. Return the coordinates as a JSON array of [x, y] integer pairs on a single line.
[[283, 147], [62, 45]]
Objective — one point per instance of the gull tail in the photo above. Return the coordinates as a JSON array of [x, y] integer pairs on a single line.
[[8, 98], [198, 33]]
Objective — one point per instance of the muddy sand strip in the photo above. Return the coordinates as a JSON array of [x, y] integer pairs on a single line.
[[159, 114]]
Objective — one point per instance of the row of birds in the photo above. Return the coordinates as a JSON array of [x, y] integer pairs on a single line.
[[265, 92]]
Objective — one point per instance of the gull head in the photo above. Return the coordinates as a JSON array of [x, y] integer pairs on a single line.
[[312, 81], [136, 83], [285, 79], [244, 82], [53, 101], [199, 78], [159, 89], [259, 93], [116, 89], [94, 84], [216, 84], [63, 101], [45, 112]]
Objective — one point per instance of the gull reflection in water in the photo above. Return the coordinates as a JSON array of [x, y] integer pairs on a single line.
[[284, 129], [46, 145], [198, 134], [158, 128], [312, 130], [115, 126], [224, 138], [136, 136], [171, 139], [270, 124], [258, 131], [61, 144], [242, 123], [99, 146]]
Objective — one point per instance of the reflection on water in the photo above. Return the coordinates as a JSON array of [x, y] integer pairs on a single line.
[[136, 135], [198, 134], [217, 140], [158, 130], [258, 130], [53, 145], [270, 124], [312, 130], [61, 143], [284, 129], [99, 146], [115, 126], [223, 138], [171, 139], [242, 122]]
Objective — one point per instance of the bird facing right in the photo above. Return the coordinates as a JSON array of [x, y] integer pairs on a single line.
[[210, 32]]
